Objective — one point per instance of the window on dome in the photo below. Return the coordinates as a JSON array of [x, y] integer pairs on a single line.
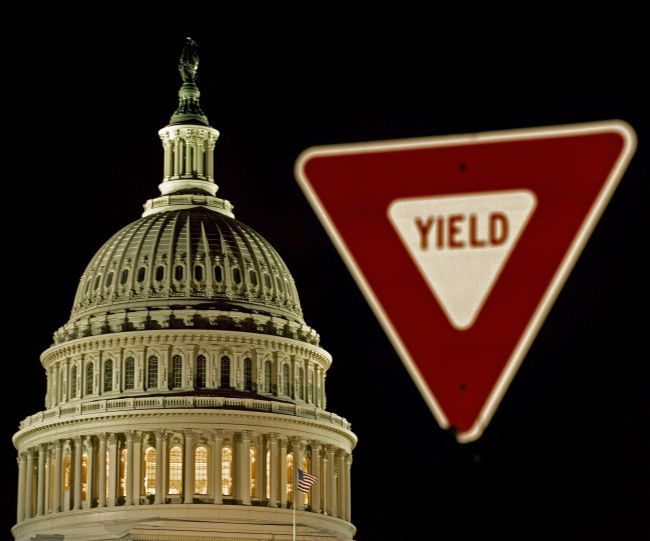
[[285, 379], [278, 281], [108, 375], [236, 275], [88, 283], [289, 467], [253, 473], [177, 372], [97, 280], [149, 471], [152, 372], [129, 374], [124, 276], [201, 470], [198, 273], [90, 374], [301, 383], [218, 274], [267, 281], [225, 371], [73, 382], [160, 273], [124, 465], [226, 471], [141, 273], [175, 470], [248, 375], [268, 372], [252, 275], [179, 271], [200, 377], [109, 279]]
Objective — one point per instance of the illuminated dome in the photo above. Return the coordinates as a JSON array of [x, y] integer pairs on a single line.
[[186, 395]]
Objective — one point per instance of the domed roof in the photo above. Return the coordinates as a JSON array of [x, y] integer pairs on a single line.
[[184, 258]]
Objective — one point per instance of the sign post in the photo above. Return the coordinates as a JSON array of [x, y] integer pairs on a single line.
[[461, 244]]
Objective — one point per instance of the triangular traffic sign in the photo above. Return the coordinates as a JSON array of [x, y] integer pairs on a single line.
[[461, 244]]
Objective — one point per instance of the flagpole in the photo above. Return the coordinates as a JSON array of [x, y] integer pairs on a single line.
[[294, 516]]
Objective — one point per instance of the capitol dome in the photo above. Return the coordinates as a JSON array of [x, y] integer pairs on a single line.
[[186, 394]]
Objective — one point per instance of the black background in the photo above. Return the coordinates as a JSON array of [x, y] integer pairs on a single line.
[[85, 91]]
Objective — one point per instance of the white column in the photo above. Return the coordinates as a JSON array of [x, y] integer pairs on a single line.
[[210, 158], [113, 469], [90, 476], [160, 437], [177, 156], [76, 479], [275, 459], [187, 148], [136, 463], [101, 471], [29, 484], [128, 482], [340, 467], [331, 481], [217, 447], [315, 471], [188, 467], [348, 489], [58, 463], [244, 470], [20, 506], [200, 148], [40, 498], [298, 496], [283, 471]]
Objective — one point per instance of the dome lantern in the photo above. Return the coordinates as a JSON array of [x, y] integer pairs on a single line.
[[188, 142]]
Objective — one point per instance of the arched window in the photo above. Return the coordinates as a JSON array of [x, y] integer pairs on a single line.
[[129, 374], [278, 281], [109, 279], [200, 377], [177, 372], [218, 274], [252, 276], [90, 374], [225, 371], [141, 273], [289, 466], [306, 467], [236, 275], [67, 472], [84, 477], [97, 280], [268, 375], [253, 473], [124, 464], [267, 281], [108, 375], [124, 277], [179, 271], [301, 383], [248, 375], [149, 471], [73, 381], [201, 470], [160, 273], [285, 379], [226, 471], [198, 273], [175, 470], [152, 372]]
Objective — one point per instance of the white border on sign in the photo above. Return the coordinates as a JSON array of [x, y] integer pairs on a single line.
[[556, 284]]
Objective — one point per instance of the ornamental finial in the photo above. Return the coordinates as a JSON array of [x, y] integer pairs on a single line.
[[189, 109], [188, 65]]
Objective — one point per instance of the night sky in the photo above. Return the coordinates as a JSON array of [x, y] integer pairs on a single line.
[[85, 92]]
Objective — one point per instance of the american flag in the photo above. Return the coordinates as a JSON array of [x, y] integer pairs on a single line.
[[305, 481]]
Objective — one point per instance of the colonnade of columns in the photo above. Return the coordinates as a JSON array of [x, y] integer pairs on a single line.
[[189, 152], [138, 468]]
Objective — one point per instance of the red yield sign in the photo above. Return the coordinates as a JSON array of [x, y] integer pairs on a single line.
[[462, 243]]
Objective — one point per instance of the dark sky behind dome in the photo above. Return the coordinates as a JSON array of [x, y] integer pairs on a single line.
[[85, 92]]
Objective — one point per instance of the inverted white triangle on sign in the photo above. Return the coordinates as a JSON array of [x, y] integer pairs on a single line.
[[460, 244]]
